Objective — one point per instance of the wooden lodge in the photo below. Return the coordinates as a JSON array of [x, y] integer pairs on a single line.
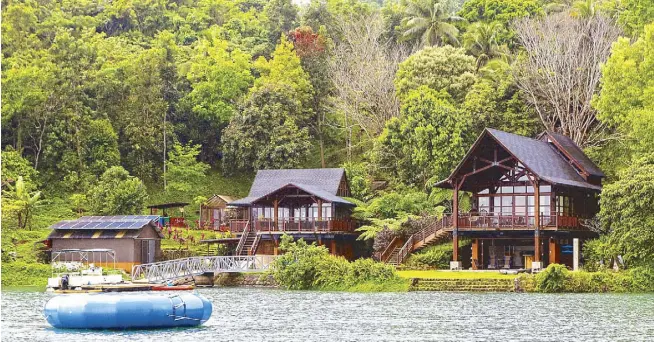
[[214, 212], [302, 203], [530, 199], [134, 239]]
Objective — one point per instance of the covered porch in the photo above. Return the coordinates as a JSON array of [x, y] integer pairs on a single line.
[[297, 208]]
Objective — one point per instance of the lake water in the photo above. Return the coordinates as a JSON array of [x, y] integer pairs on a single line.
[[249, 314]]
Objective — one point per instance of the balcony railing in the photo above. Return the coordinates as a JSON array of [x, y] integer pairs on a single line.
[[295, 225], [499, 220]]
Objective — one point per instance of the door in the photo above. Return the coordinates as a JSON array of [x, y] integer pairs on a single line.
[[147, 251]]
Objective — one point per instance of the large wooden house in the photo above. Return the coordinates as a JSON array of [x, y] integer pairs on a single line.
[[530, 200], [302, 203]]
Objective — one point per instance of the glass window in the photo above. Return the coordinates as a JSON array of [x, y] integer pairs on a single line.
[[507, 189], [485, 191], [507, 201], [497, 201], [530, 189], [520, 189], [520, 201], [545, 188], [545, 200], [484, 202]]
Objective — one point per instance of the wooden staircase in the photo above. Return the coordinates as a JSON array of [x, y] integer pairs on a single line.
[[246, 242], [431, 235]]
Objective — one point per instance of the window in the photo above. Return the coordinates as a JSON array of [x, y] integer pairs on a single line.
[[564, 205]]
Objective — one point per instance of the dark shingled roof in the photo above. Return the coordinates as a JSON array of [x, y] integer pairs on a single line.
[[320, 182], [575, 152], [539, 157]]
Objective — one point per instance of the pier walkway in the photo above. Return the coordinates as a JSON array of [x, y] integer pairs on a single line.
[[170, 270]]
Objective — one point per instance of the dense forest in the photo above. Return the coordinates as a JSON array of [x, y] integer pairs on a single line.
[[110, 105]]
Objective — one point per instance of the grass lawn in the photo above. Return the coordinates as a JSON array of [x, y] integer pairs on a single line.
[[438, 274]]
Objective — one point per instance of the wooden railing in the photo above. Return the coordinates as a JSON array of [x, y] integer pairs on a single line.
[[498, 220], [244, 237], [237, 226], [295, 225], [383, 257], [420, 235], [255, 244]]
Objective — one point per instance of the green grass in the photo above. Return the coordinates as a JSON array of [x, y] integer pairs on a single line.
[[434, 274], [397, 285]]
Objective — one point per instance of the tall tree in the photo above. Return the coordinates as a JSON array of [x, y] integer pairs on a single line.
[[444, 69], [264, 135], [117, 193], [625, 101], [431, 22], [422, 146], [560, 71], [362, 69]]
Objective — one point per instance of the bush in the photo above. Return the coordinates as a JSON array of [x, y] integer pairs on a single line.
[[437, 256], [552, 279], [556, 278], [304, 266]]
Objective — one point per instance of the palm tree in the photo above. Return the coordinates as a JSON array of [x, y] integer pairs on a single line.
[[482, 41], [431, 21]]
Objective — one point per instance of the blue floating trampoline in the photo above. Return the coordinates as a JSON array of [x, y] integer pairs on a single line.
[[126, 311]]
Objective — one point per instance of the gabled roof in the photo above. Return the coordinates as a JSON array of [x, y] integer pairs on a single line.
[[322, 183], [536, 155], [571, 149]]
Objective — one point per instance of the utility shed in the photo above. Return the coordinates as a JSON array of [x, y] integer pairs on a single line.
[[136, 239]]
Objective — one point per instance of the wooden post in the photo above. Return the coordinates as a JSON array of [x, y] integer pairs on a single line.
[[475, 254], [332, 248], [554, 251], [455, 222], [319, 210], [276, 214], [536, 222]]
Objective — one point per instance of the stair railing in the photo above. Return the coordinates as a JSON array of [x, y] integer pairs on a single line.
[[388, 251], [244, 237], [420, 235], [255, 244]]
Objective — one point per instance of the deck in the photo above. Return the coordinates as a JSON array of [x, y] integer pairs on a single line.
[[295, 225], [497, 221]]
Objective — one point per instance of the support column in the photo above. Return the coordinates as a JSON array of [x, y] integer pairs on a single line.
[[537, 263], [475, 254], [276, 214], [332, 247], [455, 264], [554, 251]]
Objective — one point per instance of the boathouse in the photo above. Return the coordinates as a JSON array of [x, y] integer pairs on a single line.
[[135, 239], [303, 203], [530, 199]]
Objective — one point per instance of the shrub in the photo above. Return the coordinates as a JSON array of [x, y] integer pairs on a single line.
[[552, 279], [437, 256], [307, 266]]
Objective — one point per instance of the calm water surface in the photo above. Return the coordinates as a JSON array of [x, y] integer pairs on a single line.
[[247, 314]]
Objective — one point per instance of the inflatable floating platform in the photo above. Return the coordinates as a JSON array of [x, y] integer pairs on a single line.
[[126, 311]]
